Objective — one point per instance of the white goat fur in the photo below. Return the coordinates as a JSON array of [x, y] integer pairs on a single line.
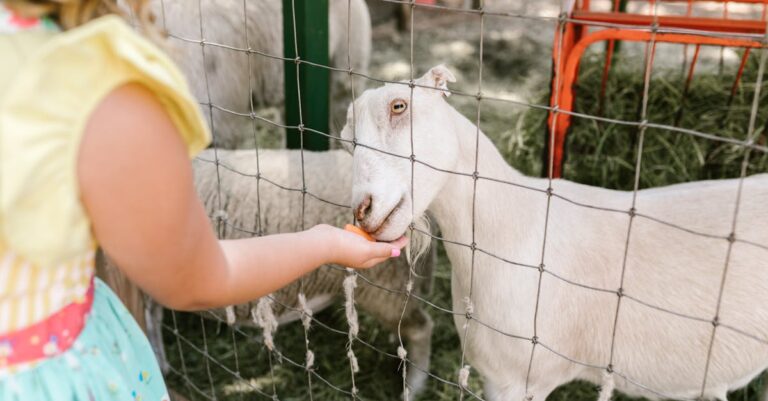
[[665, 266], [227, 69]]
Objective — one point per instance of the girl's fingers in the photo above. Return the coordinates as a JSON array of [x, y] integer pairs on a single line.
[[400, 242], [389, 249]]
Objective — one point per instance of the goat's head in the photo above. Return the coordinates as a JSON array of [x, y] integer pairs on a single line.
[[389, 124]]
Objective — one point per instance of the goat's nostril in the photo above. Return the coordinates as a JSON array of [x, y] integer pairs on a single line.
[[363, 208]]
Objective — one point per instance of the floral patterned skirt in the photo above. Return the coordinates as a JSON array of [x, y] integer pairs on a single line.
[[111, 360]]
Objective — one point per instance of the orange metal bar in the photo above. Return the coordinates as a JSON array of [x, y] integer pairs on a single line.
[[743, 64], [563, 46], [687, 86], [697, 23], [570, 74], [693, 66]]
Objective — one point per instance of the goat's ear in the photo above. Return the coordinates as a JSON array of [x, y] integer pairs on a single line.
[[438, 77]]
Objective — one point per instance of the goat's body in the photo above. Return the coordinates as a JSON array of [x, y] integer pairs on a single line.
[[666, 267], [547, 271], [234, 80], [263, 207]]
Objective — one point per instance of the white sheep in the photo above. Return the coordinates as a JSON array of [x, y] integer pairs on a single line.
[[229, 82], [656, 353], [252, 206]]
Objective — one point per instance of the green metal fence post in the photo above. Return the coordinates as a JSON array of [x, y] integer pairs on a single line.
[[314, 82]]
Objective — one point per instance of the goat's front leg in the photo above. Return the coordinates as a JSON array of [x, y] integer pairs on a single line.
[[417, 332]]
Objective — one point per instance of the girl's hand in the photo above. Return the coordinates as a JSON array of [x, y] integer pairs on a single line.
[[352, 250]]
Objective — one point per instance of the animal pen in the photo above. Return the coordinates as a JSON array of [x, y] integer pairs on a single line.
[[213, 360]]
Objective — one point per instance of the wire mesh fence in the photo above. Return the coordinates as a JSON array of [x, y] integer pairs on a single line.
[[210, 358]]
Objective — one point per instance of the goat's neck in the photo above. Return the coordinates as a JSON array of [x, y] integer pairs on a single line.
[[452, 208]]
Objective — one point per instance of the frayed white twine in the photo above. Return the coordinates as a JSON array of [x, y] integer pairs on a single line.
[[464, 376], [306, 312], [606, 387], [230, 315], [353, 361], [402, 354], [350, 283], [264, 317], [310, 359]]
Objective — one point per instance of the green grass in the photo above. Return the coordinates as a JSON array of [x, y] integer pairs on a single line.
[[598, 154], [604, 154]]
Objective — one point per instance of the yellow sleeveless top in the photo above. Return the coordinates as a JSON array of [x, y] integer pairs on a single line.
[[49, 84]]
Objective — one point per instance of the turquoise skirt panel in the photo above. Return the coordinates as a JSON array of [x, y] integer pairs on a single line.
[[111, 360]]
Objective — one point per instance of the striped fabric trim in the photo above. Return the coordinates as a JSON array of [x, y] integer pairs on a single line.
[[30, 293]]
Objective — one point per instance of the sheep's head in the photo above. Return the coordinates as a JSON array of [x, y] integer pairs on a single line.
[[386, 123]]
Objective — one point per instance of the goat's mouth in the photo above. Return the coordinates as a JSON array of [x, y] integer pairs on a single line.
[[385, 223]]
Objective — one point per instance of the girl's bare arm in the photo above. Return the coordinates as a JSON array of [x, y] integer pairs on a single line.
[[136, 184]]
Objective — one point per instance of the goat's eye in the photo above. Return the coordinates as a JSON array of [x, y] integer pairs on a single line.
[[398, 106]]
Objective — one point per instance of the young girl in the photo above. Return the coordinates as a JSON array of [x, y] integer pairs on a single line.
[[96, 130]]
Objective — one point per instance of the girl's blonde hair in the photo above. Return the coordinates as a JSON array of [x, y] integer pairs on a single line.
[[73, 13]]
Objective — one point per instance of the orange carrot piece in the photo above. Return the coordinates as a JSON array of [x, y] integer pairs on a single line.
[[359, 231]]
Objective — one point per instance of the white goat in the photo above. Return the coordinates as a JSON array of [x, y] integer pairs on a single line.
[[226, 75], [655, 352]]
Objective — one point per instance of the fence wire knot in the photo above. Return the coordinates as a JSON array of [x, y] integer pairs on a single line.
[[402, 353], [221, 215], [469, 307]]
